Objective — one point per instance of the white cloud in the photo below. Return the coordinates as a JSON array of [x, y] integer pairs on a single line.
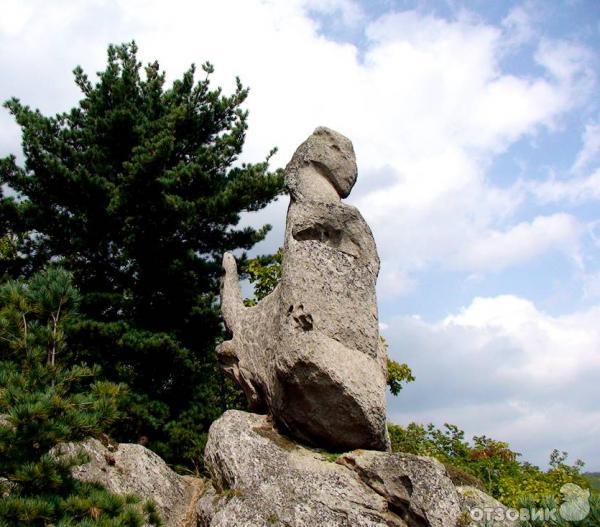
[[576, 187], [425, 100], [590, 151], [572, 190], [351, 12], [552, 348], [504, 368], [452, 114], [15, 15], [395, 282], [496, 250], [569, 63], [518, 25], [594, 231]]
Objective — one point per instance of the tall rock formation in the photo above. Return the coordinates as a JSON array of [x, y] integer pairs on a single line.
[[309, 353]]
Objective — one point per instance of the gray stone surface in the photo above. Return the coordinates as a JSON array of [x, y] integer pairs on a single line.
[[416, 487], [260, 477], [472, 498], [332, 155], [133, 469], [310, 353]]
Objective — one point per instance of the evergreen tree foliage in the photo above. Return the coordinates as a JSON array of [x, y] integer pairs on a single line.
[[44, 402], [137, 191]]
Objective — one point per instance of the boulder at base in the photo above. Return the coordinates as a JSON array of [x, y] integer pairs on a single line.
[[133, 469], [261, 478]]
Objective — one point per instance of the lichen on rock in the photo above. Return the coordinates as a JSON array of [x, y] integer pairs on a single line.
[[128, 468]]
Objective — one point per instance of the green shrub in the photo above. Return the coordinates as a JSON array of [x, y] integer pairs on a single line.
[[488, 464], [44, 402]]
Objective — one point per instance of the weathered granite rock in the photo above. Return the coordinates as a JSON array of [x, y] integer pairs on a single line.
[[261, 478], [133, 469], [310, 353], [417, 487], [332, 155], [479, 508]]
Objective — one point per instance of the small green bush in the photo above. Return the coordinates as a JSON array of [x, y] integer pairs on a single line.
[[489, 464]]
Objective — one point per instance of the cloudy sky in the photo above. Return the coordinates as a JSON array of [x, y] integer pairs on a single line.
[[477, 132]]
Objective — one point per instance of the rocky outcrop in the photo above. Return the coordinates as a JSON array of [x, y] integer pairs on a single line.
[[309, 356], [417, 487], [310, 353], [260, 478], [133, 469]]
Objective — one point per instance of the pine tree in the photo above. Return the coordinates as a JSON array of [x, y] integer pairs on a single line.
[[138, 192], [44, 402]]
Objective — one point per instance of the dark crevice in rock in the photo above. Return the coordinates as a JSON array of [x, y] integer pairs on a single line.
[[321, 233], [396, 505], [302, 320], [402, 510], [407, 484], [328, 235]]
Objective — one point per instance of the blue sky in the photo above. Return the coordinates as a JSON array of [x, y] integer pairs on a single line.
[[477, 132]]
